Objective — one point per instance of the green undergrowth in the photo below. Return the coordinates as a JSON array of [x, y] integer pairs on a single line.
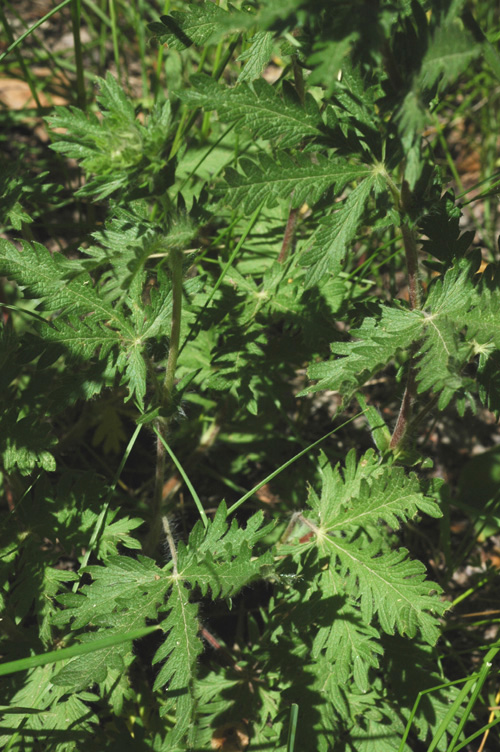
[[225, 524]]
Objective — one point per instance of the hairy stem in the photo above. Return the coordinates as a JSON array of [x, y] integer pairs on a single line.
[[170, 541], [405, 412], [159, 521], [155, 529], [77, 42], [410, 245], [293, 213], [175, 329]]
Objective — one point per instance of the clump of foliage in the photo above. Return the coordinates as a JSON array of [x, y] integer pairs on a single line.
[[244, 225]]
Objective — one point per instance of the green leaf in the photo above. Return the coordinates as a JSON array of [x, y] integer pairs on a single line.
[[135, 374], [378, 342], [181, 649], [450, 52], [259, 108], [382, 493], [124, 583], [43, 275], [352, 584], [222, 559], [257, 56], [327, 58], [118, 532], [25, 443], [195, 25], [79, 339], [86, 670], [459, 321], [52, 711], [118, 152], [386, 583], [350, 645], [332, 239], [302, 178]]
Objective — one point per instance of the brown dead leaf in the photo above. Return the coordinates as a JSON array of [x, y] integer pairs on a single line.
[[15, 94], [231, 737]]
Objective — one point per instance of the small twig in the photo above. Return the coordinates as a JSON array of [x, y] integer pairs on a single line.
[[405, 410], [288, 236], [214, 642], [490, 720], [298, 78]]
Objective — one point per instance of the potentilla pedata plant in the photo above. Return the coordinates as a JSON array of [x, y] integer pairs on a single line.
[[177, 358]]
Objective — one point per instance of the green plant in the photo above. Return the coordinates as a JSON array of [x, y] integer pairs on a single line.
[[237, 249]]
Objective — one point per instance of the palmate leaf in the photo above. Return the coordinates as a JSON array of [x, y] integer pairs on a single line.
[[260, 108], [135, 586], [117, 151], [303, 178], [105, 330], [109, 150], [386, 583], [460, 320], [281, 14], [126, 592], [376, 491], [221, 559], [221, 539], [44, 275], [378, 343], [208, 23], [226, 578], [125, 245], [384, 494], [79, 339], [357, 576], [122, 248], [218, 560], [123, 595]]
